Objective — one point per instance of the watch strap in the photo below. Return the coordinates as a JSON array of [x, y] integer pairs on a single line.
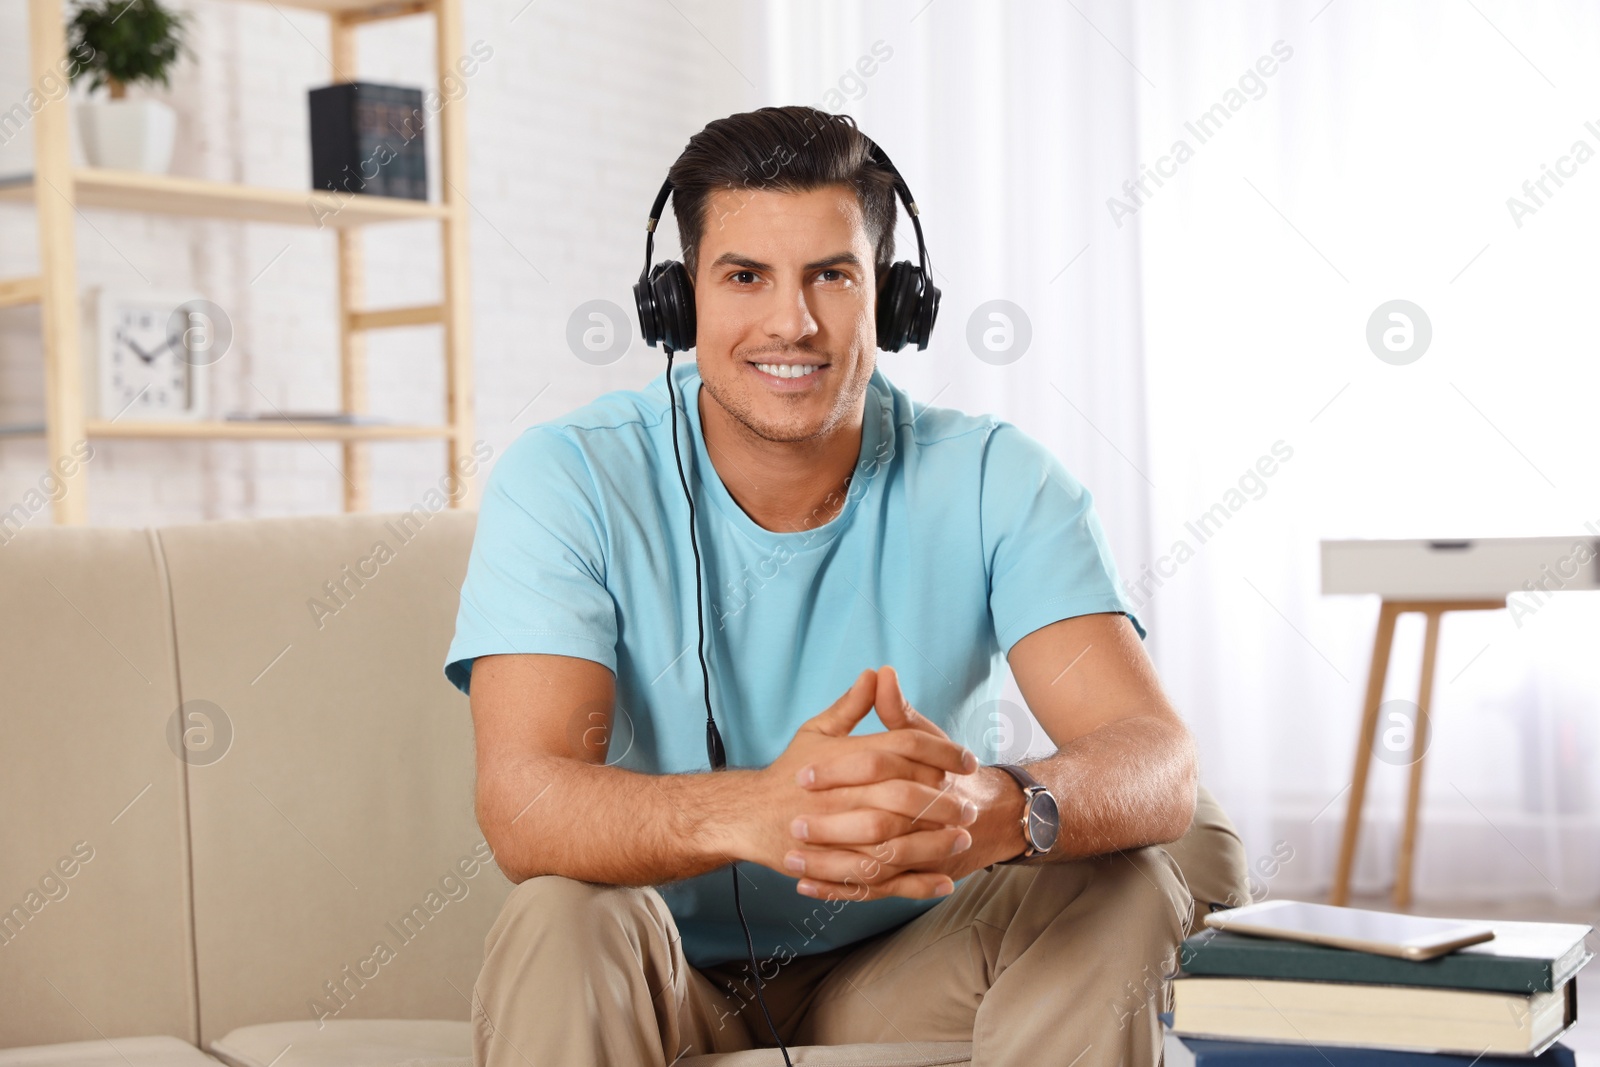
[[1024, 779]]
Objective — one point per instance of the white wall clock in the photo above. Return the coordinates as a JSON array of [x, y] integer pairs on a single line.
[[150, 356]]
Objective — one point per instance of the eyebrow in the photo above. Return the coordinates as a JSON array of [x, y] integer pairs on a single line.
[[733, 259]]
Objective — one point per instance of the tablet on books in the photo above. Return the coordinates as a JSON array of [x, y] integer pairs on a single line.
[[1411, 937]]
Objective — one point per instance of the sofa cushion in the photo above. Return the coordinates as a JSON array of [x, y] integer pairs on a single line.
[[907, 1054], [339, 872], [349, 1043], [117, 1052], [94, 881]]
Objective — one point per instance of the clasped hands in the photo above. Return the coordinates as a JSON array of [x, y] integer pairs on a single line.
[[859, 817]]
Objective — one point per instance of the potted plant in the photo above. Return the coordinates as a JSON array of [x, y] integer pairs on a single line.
[[122, 43]]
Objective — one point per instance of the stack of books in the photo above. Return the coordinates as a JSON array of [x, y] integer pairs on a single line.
[[1241, 999]]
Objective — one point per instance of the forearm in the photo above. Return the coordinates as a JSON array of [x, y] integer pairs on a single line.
[[1129, 783], [607, 825]]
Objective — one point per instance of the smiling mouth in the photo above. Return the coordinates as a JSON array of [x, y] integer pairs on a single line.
[[789, 370]]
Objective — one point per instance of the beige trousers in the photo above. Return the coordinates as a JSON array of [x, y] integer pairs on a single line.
[[1056, 964]]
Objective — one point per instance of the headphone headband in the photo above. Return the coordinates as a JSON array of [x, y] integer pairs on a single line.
[[661, 202]]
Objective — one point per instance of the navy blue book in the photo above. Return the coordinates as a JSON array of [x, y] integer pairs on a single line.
[[1198, 1052]]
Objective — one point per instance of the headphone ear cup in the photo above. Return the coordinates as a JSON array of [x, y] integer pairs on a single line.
[[666, 306], [896, 306], [908, 304], [927, 313], [674, 296], [644, 303]]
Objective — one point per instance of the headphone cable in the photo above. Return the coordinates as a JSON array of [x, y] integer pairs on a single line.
[[714, 749]]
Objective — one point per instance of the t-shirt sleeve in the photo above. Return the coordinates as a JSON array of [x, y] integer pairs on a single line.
[[1047, 555], [536, 575]]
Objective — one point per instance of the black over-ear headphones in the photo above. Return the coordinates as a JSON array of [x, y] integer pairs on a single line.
[[908, 301]]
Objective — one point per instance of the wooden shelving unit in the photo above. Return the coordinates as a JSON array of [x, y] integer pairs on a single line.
[[282, 431], [165, 194], [59, 190]]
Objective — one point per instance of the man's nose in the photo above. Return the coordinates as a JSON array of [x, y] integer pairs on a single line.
[[790, 315]]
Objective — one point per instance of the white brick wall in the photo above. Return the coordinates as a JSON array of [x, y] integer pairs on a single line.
[[571, 125]]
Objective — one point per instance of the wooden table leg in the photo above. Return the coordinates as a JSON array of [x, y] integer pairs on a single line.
[[1419, 748], [1382, 643]]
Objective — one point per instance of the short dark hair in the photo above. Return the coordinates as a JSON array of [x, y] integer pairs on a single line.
[[786, 149]]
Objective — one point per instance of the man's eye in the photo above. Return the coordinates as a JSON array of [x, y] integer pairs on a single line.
[[838, 275], [745, 277]]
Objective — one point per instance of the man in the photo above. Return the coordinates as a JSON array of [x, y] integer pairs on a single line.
[[852, 544]]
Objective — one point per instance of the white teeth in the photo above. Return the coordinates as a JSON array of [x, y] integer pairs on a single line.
[[786, 370]]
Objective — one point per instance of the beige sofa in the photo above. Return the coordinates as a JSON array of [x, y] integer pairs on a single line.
[[296, 880]]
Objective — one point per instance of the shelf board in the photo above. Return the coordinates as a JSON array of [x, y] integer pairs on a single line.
[[167, 194], [280, 431], [353, 7]]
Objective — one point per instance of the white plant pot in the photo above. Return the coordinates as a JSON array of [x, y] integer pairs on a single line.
[[127, 134]]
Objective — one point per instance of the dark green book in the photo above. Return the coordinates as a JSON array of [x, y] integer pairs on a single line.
[[1523, 958]]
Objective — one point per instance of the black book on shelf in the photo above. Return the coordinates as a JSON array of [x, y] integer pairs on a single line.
[[385, 109], [406, 117], [368, 138]]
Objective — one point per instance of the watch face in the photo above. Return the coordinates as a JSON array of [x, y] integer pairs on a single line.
[[148, 373], [1044, 821]]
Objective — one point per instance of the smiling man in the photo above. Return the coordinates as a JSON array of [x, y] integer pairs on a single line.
[[871, 567]]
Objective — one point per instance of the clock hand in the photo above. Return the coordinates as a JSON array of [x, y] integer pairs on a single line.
[[148, 357], [168, 343], [180, 342]]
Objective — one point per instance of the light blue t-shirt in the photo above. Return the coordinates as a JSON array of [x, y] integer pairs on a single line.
[[960, 535]]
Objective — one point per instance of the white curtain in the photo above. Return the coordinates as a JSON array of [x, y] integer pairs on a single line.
[[1006, 122], [1199, 323], [1375, 163]]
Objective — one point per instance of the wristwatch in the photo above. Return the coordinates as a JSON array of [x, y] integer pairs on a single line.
[[1041, 818]]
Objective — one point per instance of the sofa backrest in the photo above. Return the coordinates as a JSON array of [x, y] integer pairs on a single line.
[[94, 877], [334, 862], [338, 867]]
